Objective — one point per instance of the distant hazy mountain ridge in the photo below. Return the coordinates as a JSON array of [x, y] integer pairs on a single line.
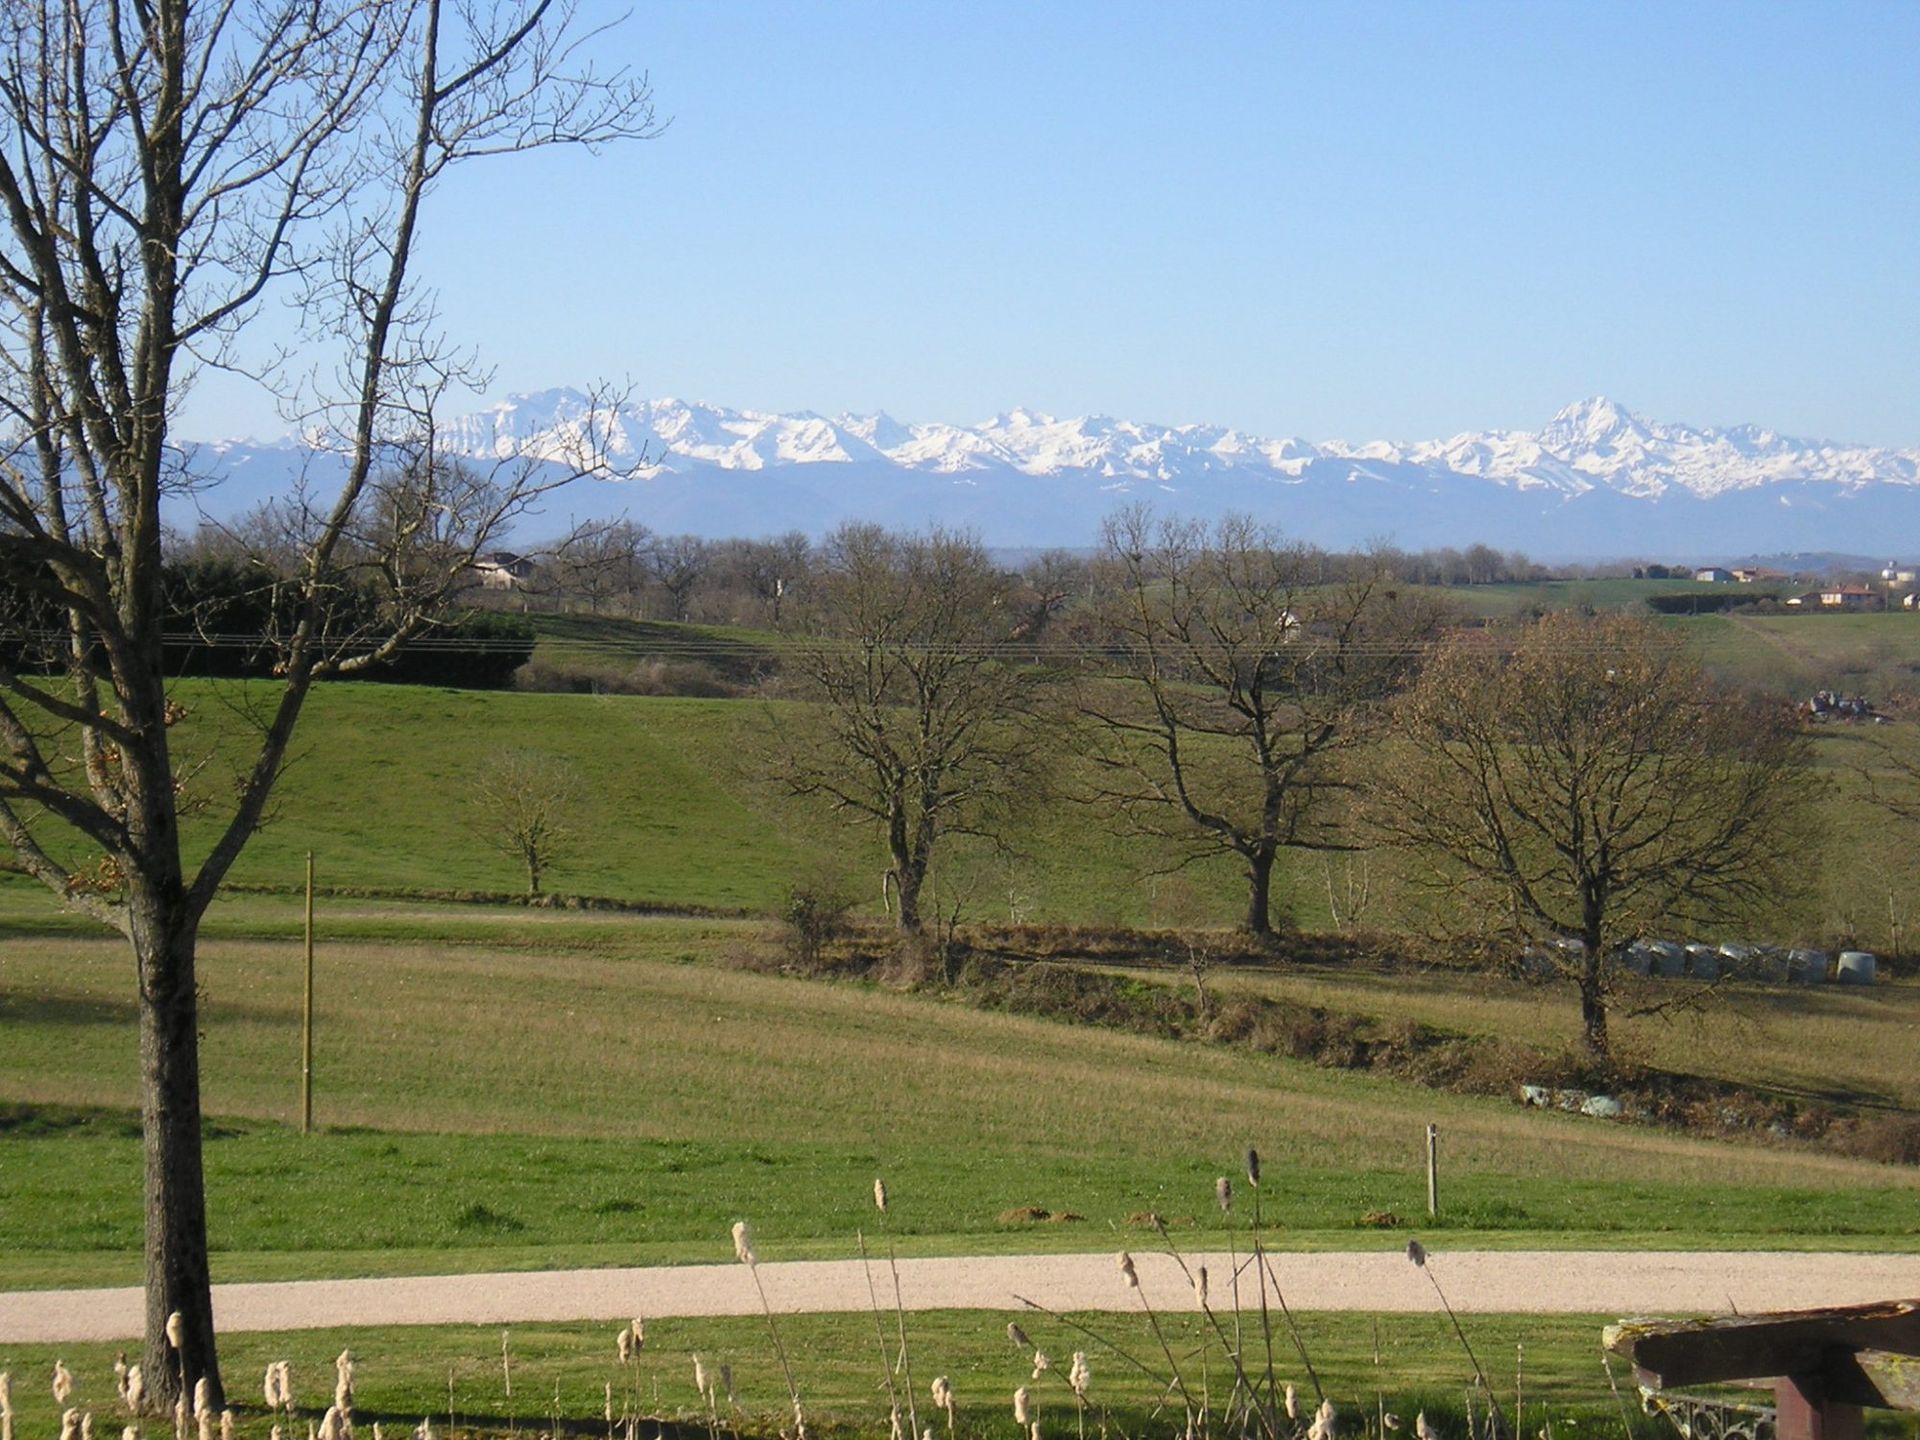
[[1596, 479]]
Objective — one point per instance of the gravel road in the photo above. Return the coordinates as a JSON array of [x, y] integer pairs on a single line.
[[1535, 1282]]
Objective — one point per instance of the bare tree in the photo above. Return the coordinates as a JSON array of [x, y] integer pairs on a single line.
[[923, 724], [602, 563], [677, 563], [526, 800], [775, 570], [166, 168], [1239, 681], [1583, 780]]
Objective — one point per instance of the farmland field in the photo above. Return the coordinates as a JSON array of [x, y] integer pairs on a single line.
[[580, 1087]]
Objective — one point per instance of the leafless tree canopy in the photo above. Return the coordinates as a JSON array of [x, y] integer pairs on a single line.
[[1581, 778], [925, 709], [166, 169], [1242, 670], [525, 801]]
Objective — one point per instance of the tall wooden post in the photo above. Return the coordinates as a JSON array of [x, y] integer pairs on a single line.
[[1433, 1171], [306, 1018]]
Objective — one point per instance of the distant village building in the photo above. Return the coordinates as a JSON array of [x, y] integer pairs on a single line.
[[1713, 575], [504, 570], [1758, 575], [1897, 574], [1848, 597]]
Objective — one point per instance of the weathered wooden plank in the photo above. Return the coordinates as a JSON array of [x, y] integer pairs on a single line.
[[1743, 1347], [1895, 1379]]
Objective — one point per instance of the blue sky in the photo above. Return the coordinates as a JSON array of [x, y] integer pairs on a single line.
[[1356, 221]]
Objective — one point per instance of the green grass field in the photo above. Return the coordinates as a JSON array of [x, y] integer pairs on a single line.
[[1404, 1364], [615, 1091], [551, 1087], [676, 808]]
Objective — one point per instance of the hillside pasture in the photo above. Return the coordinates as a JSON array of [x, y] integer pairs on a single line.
[[632, 1098]]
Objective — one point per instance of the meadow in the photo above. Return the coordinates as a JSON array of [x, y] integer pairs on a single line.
[[578, 1087], [612, 1088], [560, 1376]]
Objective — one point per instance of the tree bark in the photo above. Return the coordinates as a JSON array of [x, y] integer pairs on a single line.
[[1593, 1000], [177, 1277], [1260, 891], [908, 877]]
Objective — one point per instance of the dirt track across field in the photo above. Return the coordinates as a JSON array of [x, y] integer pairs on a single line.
[[1515, 1281]]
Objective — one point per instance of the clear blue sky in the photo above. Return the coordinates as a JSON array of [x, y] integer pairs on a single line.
[[1358, 221]]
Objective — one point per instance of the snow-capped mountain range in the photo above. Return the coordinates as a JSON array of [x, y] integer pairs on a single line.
[[1596, 480]]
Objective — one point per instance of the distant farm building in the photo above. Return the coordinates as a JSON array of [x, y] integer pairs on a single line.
[[1713, 575], [504, 570], [1848, 597]]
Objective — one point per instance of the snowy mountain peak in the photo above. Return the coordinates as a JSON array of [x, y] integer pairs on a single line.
[[1592, 474], [1591, 422]]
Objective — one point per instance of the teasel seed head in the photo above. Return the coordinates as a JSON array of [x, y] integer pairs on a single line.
[[1079, 1377], [1127, 1272], [1018, 1336], [1253, 1167], [1223, 1192], [880, 1194], [176, 1330], [743, 1243], [1020, 1411], [1200, 1286], [1417, 1253], [62, 1382]]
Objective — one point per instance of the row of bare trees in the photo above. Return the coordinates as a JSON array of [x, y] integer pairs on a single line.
[[1228, 694], [622, 567]]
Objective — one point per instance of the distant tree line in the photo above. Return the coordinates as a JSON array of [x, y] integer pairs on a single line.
[[622, 568]]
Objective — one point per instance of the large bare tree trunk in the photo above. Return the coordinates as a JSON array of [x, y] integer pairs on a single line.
[[908, 877], [177, 1275], [1593, 989], [1260, 891], [1593, 1013]]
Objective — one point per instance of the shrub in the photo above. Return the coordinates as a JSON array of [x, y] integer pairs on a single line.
[[814, 913]]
